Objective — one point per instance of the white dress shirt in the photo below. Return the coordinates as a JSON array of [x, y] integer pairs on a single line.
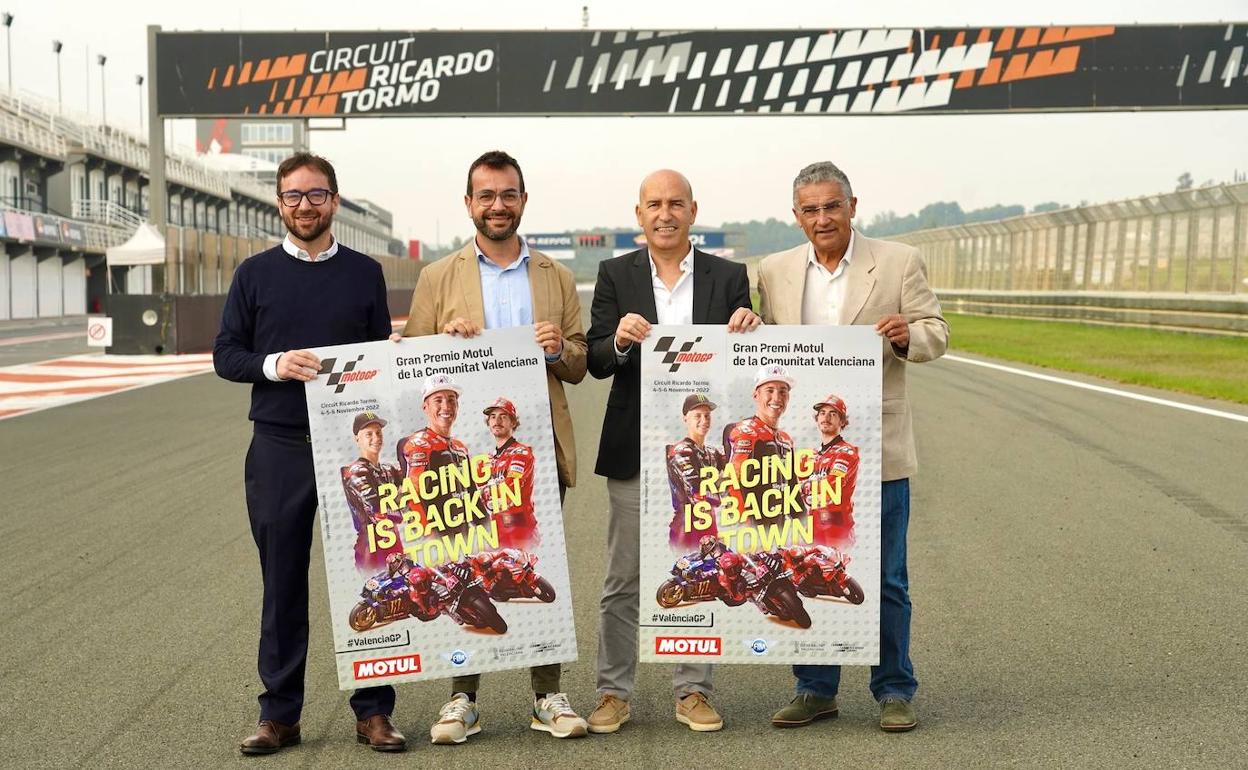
[[825, 291], [674, 305], [288, 246]]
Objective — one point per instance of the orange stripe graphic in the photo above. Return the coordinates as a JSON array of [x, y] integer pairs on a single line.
[[262, 70], [229, 77], [1016, 68], [244, 77], [1029, 38], [992, 73], [212, 78], [1053, 36], [1006, 41]]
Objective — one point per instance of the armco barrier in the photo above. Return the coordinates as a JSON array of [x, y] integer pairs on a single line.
[[1201, 314]]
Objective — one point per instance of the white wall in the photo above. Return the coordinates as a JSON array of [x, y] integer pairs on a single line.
[[74, 285], [22, 272], [51, 297]]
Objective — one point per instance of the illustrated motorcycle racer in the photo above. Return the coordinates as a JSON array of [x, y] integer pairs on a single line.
[[703, 563], [511, 465], [360, 481], [492, 565], [420, 581], [832, 519], [433, 447], [685, 461], [759, 436]]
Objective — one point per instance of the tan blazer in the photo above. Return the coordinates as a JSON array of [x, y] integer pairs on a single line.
[[882, 278], [451, 288]]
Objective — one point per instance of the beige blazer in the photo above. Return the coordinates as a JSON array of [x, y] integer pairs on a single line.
[[451, 288], [882, 278]]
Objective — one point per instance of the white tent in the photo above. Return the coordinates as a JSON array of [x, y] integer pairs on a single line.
[[145, 247]]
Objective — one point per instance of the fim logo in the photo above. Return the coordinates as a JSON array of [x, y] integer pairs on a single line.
[[457, 658], [338, 380], [687, 645], [382, 667], [758, 646], [681, 355]]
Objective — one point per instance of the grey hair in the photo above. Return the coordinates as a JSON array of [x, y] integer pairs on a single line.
[[822, 171]]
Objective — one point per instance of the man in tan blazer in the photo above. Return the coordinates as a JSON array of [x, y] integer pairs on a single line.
[[843, 277], [497, 281]]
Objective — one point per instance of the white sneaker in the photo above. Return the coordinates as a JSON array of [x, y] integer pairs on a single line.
[[553, 714], [457, 720]]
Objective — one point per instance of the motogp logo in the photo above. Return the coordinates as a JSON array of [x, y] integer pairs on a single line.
[[339, 380], [681, 356]]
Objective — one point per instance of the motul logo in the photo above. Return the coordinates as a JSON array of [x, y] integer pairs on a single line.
[[686, 645], [379, 667]]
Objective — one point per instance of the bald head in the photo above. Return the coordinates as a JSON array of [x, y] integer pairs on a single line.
[[665, 180], [665, 211]]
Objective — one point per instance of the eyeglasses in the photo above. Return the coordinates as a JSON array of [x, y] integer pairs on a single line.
[[292, 198], [487, 197], [832, 207]]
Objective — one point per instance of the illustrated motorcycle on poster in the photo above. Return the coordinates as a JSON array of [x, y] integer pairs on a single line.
[[735, 578], [424, 593], [511, 573], [821, 570]]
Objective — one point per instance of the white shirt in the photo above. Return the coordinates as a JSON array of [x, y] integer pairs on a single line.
[[674, 305], [270, 361], [825, 291], [290, 248]]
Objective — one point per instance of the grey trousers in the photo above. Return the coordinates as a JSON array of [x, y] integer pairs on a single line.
[[617, 620]]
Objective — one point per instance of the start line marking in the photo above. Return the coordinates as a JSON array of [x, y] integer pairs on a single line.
[[1101, 389]]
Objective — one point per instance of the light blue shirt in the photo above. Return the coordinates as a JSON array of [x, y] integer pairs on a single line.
[[505, 290]]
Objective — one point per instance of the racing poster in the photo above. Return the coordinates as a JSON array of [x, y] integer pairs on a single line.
[[760, 495], [439, 507]]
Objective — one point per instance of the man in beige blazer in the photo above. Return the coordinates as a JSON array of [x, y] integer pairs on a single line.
[[497, 281], [843, 277]]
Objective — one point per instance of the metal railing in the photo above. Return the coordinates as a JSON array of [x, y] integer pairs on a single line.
[[22, 132], [107, 213], [1190, 241], [96, 236]]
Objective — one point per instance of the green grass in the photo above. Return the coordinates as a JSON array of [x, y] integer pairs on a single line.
[[1212, 367]]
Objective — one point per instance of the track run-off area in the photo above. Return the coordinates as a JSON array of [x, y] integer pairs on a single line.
[[1077, 563]]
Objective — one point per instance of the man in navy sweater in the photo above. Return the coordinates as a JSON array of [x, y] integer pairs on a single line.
[[310, 291]]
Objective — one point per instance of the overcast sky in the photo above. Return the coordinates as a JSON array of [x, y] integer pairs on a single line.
[[584, 172]]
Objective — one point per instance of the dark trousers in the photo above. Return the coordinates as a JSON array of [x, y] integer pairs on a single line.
[[281, 503], [894, 676], [544, 678]]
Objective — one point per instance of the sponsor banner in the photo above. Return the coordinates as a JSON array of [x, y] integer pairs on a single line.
[[19, 226], [760, 494], [440, 513], [73, 233], [710, 242], [47, 228], [874, 71], [554, 245]]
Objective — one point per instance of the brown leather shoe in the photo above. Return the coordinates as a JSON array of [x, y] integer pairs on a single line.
[[270, 738], [380, 734]]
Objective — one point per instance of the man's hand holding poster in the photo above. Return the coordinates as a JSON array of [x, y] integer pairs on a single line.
[[760, 495], [440, 511]]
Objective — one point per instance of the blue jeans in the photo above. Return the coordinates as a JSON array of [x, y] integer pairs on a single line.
[[894, 676]]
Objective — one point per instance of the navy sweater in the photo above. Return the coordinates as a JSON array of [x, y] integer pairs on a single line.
[[278, 303]]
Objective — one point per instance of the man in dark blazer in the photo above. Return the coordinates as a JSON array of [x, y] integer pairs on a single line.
[[668, 282]]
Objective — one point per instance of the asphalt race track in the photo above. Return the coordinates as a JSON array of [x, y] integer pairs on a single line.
[[1078, 565]]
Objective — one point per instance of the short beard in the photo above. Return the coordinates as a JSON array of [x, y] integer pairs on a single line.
[[325, 222], [483, 228]]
